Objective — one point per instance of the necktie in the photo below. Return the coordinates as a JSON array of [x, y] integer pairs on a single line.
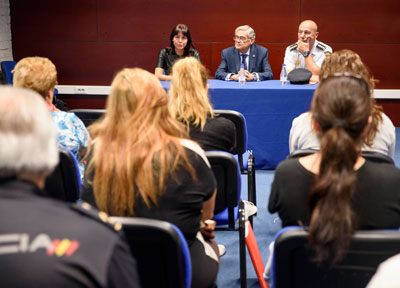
[[244, 60]]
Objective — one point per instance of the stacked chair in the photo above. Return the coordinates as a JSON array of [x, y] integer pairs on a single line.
[[244, 157]]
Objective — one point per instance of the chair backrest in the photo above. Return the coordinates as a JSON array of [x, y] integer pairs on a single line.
[[160, 250], [88, 116], [370, 155], [244, 157], [377, 157], [241, 128], [293, 267], [64, 182], [227, 173], [301, 153], [6, 68]]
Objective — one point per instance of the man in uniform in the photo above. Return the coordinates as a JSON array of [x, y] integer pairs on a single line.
[[307, 52], [45, 242], [253, 57]]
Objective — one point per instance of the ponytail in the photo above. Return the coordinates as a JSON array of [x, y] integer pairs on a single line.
[[332, 218], [341, 106]]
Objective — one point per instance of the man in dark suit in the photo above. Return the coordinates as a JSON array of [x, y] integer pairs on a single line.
[[253, 57]]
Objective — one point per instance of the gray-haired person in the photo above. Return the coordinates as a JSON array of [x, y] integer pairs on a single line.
[[45, 242], [252, 56]]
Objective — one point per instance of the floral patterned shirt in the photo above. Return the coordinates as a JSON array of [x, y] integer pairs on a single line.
[[71, 134]]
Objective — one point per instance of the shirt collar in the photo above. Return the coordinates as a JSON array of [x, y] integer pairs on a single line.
[[314, 48], [247, 53]]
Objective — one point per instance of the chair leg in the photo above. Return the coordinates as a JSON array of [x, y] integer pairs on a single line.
[[251, 176], [231, 218], [251, 181], [242, 246]]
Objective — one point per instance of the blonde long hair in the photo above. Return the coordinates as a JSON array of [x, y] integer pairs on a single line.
[[137, 144], [188, 93]]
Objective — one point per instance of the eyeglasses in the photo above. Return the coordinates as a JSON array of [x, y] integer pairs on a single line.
[[241, 38]]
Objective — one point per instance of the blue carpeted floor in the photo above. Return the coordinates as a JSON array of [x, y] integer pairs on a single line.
[[265, 227]]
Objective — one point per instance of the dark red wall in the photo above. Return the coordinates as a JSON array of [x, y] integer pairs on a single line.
[[89, 40]]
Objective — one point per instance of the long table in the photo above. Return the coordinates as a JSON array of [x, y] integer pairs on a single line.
[[269, 109]]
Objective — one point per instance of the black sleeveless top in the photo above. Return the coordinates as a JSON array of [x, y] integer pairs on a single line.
[[167, 58]]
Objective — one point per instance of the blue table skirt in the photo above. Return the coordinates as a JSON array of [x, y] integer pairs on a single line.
[[269, 109]]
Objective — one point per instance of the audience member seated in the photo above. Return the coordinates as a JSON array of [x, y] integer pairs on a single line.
[[381, 136], [40, 75], [180, 46], [142, 164], [190, 105], [336, 191], [45, 242]]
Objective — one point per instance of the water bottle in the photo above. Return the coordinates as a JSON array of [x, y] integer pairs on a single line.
[[242, 75], [283, 75]]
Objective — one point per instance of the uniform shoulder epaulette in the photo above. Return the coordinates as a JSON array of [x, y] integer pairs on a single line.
[[321, 46], [293, 47], [87, 210]]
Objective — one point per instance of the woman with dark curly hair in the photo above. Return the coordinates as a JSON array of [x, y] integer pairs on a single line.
[[381, 136], [336, 191]]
